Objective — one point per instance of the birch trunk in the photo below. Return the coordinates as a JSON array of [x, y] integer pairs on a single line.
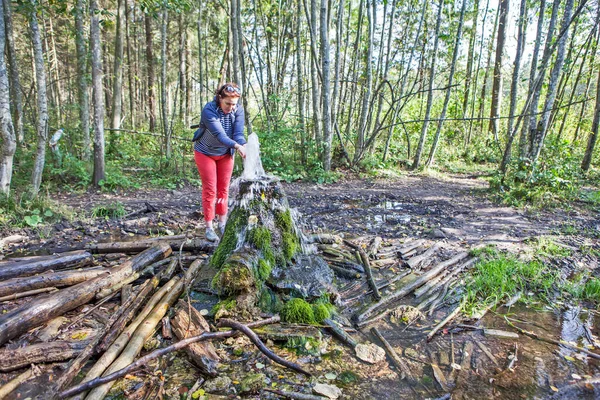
[[15, 81], [98, 92], [325, 66], [82, 78], [182, 69], [300, 84], [163, 85], [131, 65], [314, 78], [150, 74], [362, 126], [7, 132], [591, 145], [117, 92], [497, 82], [42, 100], [421, 144]]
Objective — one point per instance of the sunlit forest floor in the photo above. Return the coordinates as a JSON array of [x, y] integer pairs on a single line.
[[452, 209]]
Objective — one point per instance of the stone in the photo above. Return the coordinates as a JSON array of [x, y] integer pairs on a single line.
[[438, 234], [308, 276], [329, 391], [370, 353], [219, 385]]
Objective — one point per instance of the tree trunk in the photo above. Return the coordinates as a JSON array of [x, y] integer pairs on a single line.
[[131, 65], [50, 279], [182, 69], [449, 89], [82, 78], [7, 132], [15, 81], [419, 151], [42, 101], [61, 261], [163, 83], [98, 85], [591, 145], [362, 126], [325, 66], [514, 87], [235, 49], [150, 73], [484, 84], [314, 77], [469, 72], [44, 308], [542, 126], [117, 92], [13, 359], [497, 80], [300, 84]]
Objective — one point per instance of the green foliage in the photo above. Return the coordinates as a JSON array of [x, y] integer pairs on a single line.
[[500, 276], [23, 211], [591, 290], [298, 311], [109, 211], [347, 378], [546, 247], [227, 305]]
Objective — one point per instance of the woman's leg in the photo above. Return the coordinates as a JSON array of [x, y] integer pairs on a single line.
[[224, 170], [207, 168]]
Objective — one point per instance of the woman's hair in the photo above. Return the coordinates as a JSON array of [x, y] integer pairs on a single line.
[[229, 89]]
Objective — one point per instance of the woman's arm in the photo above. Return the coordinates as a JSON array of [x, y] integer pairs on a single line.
[[238, 126], [211, 121]]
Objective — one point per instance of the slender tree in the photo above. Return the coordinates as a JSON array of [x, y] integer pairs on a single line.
[[362, 126], [98, 94], [591, 144], [8, 144], [325, 67], [82, 78], [117, 92], [497, 79], [150, 73], [42, 101], [15, 80]]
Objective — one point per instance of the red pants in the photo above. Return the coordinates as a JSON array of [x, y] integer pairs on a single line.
[[215, 173]]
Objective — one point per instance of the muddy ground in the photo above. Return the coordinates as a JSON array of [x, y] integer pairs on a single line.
[[453, 210]]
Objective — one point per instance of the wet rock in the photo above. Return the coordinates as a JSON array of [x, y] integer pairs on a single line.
[[252, 383], [329, 391], [438, 234], [219, 385], [309, 276], [370, 353]]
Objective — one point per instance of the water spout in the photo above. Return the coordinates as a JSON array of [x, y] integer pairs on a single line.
[[253, 168]]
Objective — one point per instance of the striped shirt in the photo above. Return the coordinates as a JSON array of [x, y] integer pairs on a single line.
[[216, 141]]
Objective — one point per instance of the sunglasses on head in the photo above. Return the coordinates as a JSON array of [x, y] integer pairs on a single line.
[[231, 89]]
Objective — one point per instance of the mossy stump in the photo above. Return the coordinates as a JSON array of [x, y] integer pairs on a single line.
[[260, 260]]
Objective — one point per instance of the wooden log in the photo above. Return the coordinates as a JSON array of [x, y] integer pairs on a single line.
[[48, 306], [13, 359], [403, 250], [136, 247], [130, 306], [448, 318], [27, 294], [189, 322], [61, 261], [339, 333], [326, 238], [168, 272], [84, 386], [365, 260], [406, 290], [14, 383], [430, 287], [415, 261], [130, 279], [48, 279], [374, 246], [347, 265], [141, 334], [345, 273], [294, 395], [405, 371]]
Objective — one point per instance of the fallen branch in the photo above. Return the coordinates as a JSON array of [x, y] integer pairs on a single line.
[[453, 314], [294, 395], [14, 359], [55, 279], [61, 261], [399, 362], [15, 383], [28, 293], [158, 353], [415, 261], [339, 333], [224, 322]]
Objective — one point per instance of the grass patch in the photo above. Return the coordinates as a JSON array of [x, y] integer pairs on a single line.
[[546, 247], [499, 276], [591, 290], [109, 211]]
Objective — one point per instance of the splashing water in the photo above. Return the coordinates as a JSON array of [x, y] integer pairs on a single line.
[[253, 168]]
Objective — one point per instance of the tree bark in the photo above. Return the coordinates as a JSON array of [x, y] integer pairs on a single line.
[[98, 85], [325, 66], [591, 145], [300, 84], [318, 136], [163, 83], [82, 78], [117, 92], [150, 73], [419, 151], [497, 79], [13, 359], [62, 261], [15, 81], [51, 279], [42, 100], [44, 308], [7, 132], [183, 69], [362, 126]]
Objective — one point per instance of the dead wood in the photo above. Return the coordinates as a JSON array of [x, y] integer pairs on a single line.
[[326, 238], [148, 208], [487, 352], [346, 264], [294, 395], [167, 331], [370, 311], [396, 359], [374, 246], [443, 323], [85, 386], [403, 250], [11, 239], [362, 256], [13, 359], [189, 322], [416, 261], [27, 294], [136, 247], [344, 273], [432, 286], [228, 323], [48, 279], [143, 332], [48, 306], [15, 383], [61, 261], [340, 334], [130, 306]]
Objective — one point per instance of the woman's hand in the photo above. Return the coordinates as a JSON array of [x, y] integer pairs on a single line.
[[241, 150]]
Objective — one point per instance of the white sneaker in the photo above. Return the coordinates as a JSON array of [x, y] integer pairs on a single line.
[[222, 228], [211, 236]]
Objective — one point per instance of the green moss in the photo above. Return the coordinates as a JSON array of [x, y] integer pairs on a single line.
[[268, 301], [260, 237], [321, 312], [237, 219], [290, 245], [290, 242], [298, 311], [233, 278], [347, 377], [264, 269], [228, 305], [283, 219], [303, 345]]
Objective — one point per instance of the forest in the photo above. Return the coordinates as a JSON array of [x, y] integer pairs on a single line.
[[425, 225]]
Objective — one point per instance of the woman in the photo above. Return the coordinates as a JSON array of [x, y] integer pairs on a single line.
[[220, 135]]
